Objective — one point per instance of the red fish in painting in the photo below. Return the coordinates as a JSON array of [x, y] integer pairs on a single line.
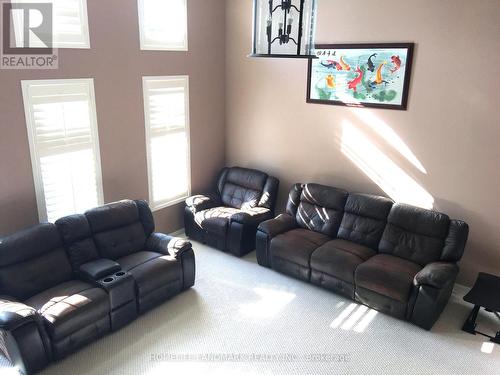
[[356, 81], [397, 63], [332, 64]]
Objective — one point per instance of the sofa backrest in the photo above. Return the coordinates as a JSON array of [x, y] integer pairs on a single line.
[[243, 188], [365, 219], [415, 234], [78, 240], [120, 228], [320, 208], [31, 261]]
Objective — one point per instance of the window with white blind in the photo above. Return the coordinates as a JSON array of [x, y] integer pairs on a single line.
[[62, 131], [166, 107], [70, 24], [163, 25]]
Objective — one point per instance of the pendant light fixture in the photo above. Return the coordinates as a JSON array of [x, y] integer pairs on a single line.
[[284, 28]]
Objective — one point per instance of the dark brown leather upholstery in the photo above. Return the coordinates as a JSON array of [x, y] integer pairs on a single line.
[[68, 308], [153, 272], [365, 219], [228, 219], [123, 232], [35, 269], [64, 285], [387, 275], [77, 236], [415, 234], [396, 258], [340, 258], [99, 268], [297, 245], [32, 261], [215, 220], [321, 208]]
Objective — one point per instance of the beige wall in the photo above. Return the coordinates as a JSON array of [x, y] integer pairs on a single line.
[[451, 126], [117, 66]]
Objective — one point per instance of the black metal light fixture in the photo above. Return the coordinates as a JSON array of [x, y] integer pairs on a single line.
[[284, 28]]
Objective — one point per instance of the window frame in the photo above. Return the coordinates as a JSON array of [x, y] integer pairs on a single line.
[[147, 124], [85, 28], [142, 37], [34, 154]]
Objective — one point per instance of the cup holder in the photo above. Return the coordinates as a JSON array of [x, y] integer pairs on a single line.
[[108, 279], [120, 274]]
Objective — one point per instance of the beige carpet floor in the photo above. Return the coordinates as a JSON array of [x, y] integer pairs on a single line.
[[241, 318]]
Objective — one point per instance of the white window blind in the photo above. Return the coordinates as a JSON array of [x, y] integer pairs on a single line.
[[166, 107], [64, 145], [163, 25], [70, 24]]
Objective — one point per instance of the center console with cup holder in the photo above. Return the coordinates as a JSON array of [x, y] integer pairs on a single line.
[[121, 290]]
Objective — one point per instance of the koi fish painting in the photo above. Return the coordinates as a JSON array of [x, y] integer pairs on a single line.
[[361, 75]]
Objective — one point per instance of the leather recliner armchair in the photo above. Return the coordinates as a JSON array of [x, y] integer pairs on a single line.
[[228, 218], [395, 258]]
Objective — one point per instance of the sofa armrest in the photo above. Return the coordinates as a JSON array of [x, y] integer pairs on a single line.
[[168, 245], [252, 216], [14, 314], [202, 202], [454, 245], [281, 224], [99, 268], [438, 275]]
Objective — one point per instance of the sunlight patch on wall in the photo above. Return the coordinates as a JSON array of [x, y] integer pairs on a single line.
[[395, 182], [390, 136]]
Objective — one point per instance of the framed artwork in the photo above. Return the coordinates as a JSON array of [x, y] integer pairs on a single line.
[[361, 75]]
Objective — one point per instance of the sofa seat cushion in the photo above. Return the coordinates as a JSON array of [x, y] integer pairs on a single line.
[[297, 245], [215, 220], [387, 275], [340, 258], [70, 307], [133, 260], [151, 270]]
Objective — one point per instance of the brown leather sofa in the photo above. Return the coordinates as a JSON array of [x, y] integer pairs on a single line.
[[395, 258], [64, 285], [227, 219]]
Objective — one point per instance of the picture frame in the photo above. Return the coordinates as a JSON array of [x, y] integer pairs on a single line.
[[375, 75]]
